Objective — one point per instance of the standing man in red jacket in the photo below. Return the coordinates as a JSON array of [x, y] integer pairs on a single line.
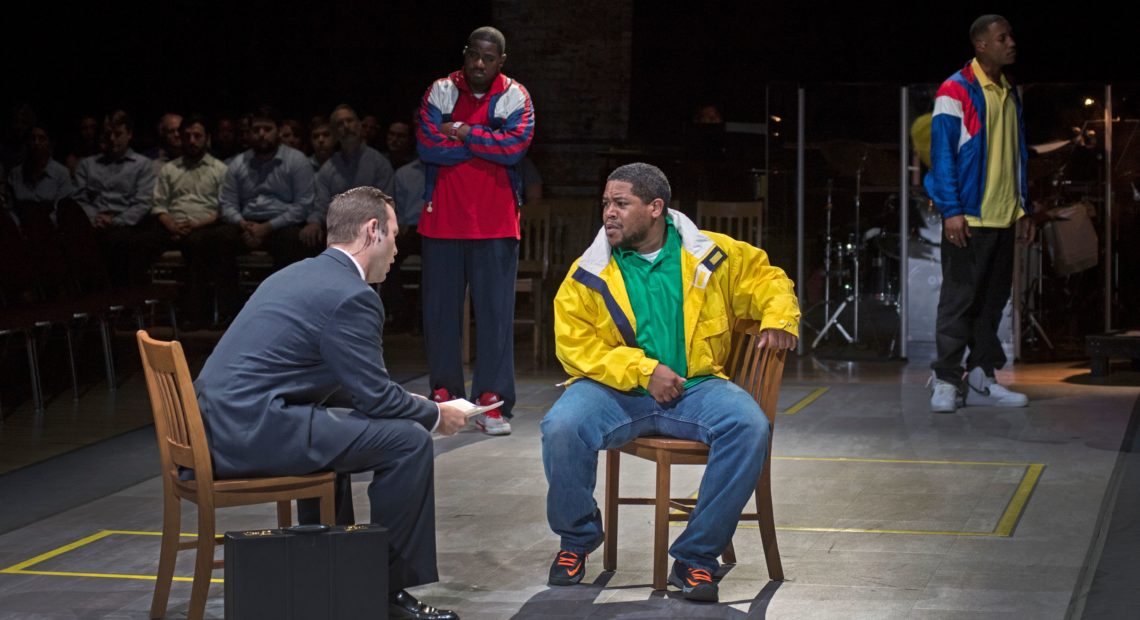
[[474, 128]]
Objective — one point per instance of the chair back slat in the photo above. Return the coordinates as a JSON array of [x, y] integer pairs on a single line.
[[177, 419], [739, 220], [758, 371], [534, 239]]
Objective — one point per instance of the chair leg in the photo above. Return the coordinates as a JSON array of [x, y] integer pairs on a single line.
[[328, 502], [661, 522], [609, 550], [108, 353], [171, 523], [767, 524], [34, 372], [71, 362], [203, 563], [729, 554], [284, 514]]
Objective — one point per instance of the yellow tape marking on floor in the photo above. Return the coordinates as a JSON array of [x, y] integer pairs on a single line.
[[1003, 529], [22, 567], [805, 401]]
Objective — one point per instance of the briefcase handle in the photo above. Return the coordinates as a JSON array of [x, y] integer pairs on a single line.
[[312, 528]]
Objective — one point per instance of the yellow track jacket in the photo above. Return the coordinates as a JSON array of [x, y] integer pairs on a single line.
[[595, 331]]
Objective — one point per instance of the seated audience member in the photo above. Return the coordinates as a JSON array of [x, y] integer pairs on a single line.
[[169, 145], [37, 186], [532, 181], [224, 143], [303, 391], [267, 192], [401, 143], [409, 202], [642, 323], [370, 126], [86, 143], [115, 189], [355, 164], [40, 179], [186, 203], [322, 142], [291, 134]]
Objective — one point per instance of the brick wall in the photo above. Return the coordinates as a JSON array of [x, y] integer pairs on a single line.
[[575, 59]]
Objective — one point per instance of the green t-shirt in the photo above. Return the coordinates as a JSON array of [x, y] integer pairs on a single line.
[[655, 293]]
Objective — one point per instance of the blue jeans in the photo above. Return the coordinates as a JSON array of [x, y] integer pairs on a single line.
[[591, 417]]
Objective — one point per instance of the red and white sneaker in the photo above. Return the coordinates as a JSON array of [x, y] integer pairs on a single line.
[[492, 422], [440, 395]]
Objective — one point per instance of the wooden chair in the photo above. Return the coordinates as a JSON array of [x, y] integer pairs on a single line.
[[182, 444], [739, 220], [759, 371], [533, 267]]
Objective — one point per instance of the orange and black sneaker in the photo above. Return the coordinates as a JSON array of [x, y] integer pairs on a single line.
[[567, 568], [696, 583]]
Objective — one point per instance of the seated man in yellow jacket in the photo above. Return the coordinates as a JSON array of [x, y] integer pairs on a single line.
[[643, 326]]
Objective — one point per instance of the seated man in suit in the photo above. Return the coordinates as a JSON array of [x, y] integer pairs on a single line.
[[298, 385], [651, 298]]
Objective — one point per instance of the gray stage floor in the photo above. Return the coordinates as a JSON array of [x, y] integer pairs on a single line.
[[883, 510]]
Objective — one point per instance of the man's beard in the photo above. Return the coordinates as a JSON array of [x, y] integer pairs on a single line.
[[634, 239]]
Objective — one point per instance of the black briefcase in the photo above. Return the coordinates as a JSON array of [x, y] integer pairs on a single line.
[[307, 572]]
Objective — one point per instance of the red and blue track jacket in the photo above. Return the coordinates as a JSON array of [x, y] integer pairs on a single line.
[[472, 189], [957, 178]]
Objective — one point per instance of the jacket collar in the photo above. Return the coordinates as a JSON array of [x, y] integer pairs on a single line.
[[693, 241]]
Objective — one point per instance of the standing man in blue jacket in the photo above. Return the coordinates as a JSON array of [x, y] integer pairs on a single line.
[[978, 182]]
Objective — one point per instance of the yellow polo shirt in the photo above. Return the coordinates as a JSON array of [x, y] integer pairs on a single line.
[[1001, 203]]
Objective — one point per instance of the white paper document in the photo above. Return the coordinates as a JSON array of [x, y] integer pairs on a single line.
[[471, 409]]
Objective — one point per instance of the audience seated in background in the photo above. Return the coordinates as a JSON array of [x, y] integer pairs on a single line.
[[169, 146], [401, 143], [186, 202], [115, 189], [291, 134], [266, 195], [322, 142], [37, 186], [409, 195], [224, 143], [370, 126], [86, 142], [355, 165]]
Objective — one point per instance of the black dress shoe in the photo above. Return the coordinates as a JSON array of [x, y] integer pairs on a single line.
[[402, 605]]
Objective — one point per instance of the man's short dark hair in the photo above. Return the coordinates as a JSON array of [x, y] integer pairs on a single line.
[[343, 106], [491, 35], [266, 113], [647, 181], [349, 210], [192, 119], [982, 25], [119, 118]]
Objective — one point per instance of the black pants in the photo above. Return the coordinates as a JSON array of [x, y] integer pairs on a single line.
[[224, 244], [202, 265], [976, 282], [489, 266], [402, 496]]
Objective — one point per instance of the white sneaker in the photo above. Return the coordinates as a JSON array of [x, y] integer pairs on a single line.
[[945, 397], [983, 391], [493, 423]]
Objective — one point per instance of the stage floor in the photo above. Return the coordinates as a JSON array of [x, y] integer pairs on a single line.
[[883, 510]]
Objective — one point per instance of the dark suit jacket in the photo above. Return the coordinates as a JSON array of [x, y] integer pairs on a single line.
[[300, 372]]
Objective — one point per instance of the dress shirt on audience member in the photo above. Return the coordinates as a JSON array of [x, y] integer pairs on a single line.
[[121, 186], [189, 192], [278, 191], [53, 185], [409, 193], [365, 167]]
